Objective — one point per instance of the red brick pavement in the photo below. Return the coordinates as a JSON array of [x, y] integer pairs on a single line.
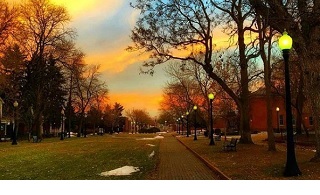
[[179, 163]]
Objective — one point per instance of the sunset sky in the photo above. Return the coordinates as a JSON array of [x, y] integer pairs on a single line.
[[103, 28]]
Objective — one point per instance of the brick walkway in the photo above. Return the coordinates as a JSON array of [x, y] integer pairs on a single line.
[[178, 163]]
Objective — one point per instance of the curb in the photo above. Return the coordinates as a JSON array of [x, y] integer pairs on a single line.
[[206, 162]]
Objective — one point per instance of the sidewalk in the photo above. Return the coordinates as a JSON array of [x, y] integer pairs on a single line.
[[178, 163]]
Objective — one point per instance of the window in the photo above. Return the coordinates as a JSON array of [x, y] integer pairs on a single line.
[[281, 120], [311, 120]]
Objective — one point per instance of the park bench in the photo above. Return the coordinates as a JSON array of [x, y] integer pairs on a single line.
[[232, 145]]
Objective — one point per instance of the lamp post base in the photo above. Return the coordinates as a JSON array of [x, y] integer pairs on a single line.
[[292, 170]]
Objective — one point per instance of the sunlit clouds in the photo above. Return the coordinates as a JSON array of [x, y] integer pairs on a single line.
[[103, 28]]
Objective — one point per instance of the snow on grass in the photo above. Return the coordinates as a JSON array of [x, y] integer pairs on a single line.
[[152, 138], [151, 145], [151, 155], [126, 170]]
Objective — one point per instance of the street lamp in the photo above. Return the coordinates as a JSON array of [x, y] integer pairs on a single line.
[[85, 126], [182, 117], [278, 124], [165, 125], [14, 136], [195, 122], [187, 114], [211, 97], [62, 132], [292, 169], [179, 125]]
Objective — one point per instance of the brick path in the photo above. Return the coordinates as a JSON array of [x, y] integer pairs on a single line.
[[178, 163]]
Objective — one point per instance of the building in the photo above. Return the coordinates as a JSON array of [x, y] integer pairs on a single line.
[[258, 113]]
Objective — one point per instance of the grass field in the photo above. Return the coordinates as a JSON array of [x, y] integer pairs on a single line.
[[78, 158]]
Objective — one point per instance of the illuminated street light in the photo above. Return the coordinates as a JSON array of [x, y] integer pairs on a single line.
[[195, 122], [187, 114], [292, 169], [211, 97]]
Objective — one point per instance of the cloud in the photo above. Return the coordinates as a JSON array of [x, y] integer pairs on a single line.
[[145, 101]]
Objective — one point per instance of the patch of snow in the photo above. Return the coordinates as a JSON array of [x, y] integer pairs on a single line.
[[151, 145], [151, 155], [126, 170], [146, 138], [156, 137]]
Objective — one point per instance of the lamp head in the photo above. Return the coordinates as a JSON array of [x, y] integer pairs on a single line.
[[187, 113], [277, 109], [211, 96], [195, 107], [285, 41], [15, 104]]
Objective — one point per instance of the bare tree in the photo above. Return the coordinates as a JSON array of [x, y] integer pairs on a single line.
[[140, 118], [7, 22], [166, 28], [88, 87]]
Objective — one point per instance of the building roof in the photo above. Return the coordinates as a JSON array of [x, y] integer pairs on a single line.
[[262, 92]]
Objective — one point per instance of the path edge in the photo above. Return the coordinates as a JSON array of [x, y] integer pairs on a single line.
[[206, 162]]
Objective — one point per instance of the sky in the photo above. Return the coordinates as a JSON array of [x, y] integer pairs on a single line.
[[103, 33], [103, 28]]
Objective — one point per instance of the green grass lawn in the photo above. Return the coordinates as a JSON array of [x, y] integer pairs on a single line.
[[78, 158]]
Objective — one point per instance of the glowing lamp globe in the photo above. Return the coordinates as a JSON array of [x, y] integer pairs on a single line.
[[285, 41], [211, 96], [195, 107]]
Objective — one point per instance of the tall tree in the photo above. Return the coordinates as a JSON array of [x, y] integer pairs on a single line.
[[41, 31]]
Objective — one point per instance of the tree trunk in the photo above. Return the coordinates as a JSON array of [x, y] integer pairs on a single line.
[[245, 131], [300, 103], [313, 92]]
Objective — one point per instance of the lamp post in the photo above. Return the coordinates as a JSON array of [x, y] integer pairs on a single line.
[[187, 114], [195, 122], [14, 136], [165, 125], [85, 124], [182, 124], [211, 97], [62, 132], [292, 169], [179, 125], [1, 102], [278, 124]]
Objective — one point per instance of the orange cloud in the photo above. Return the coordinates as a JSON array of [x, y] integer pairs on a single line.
[[115, 61], [149, 102]]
